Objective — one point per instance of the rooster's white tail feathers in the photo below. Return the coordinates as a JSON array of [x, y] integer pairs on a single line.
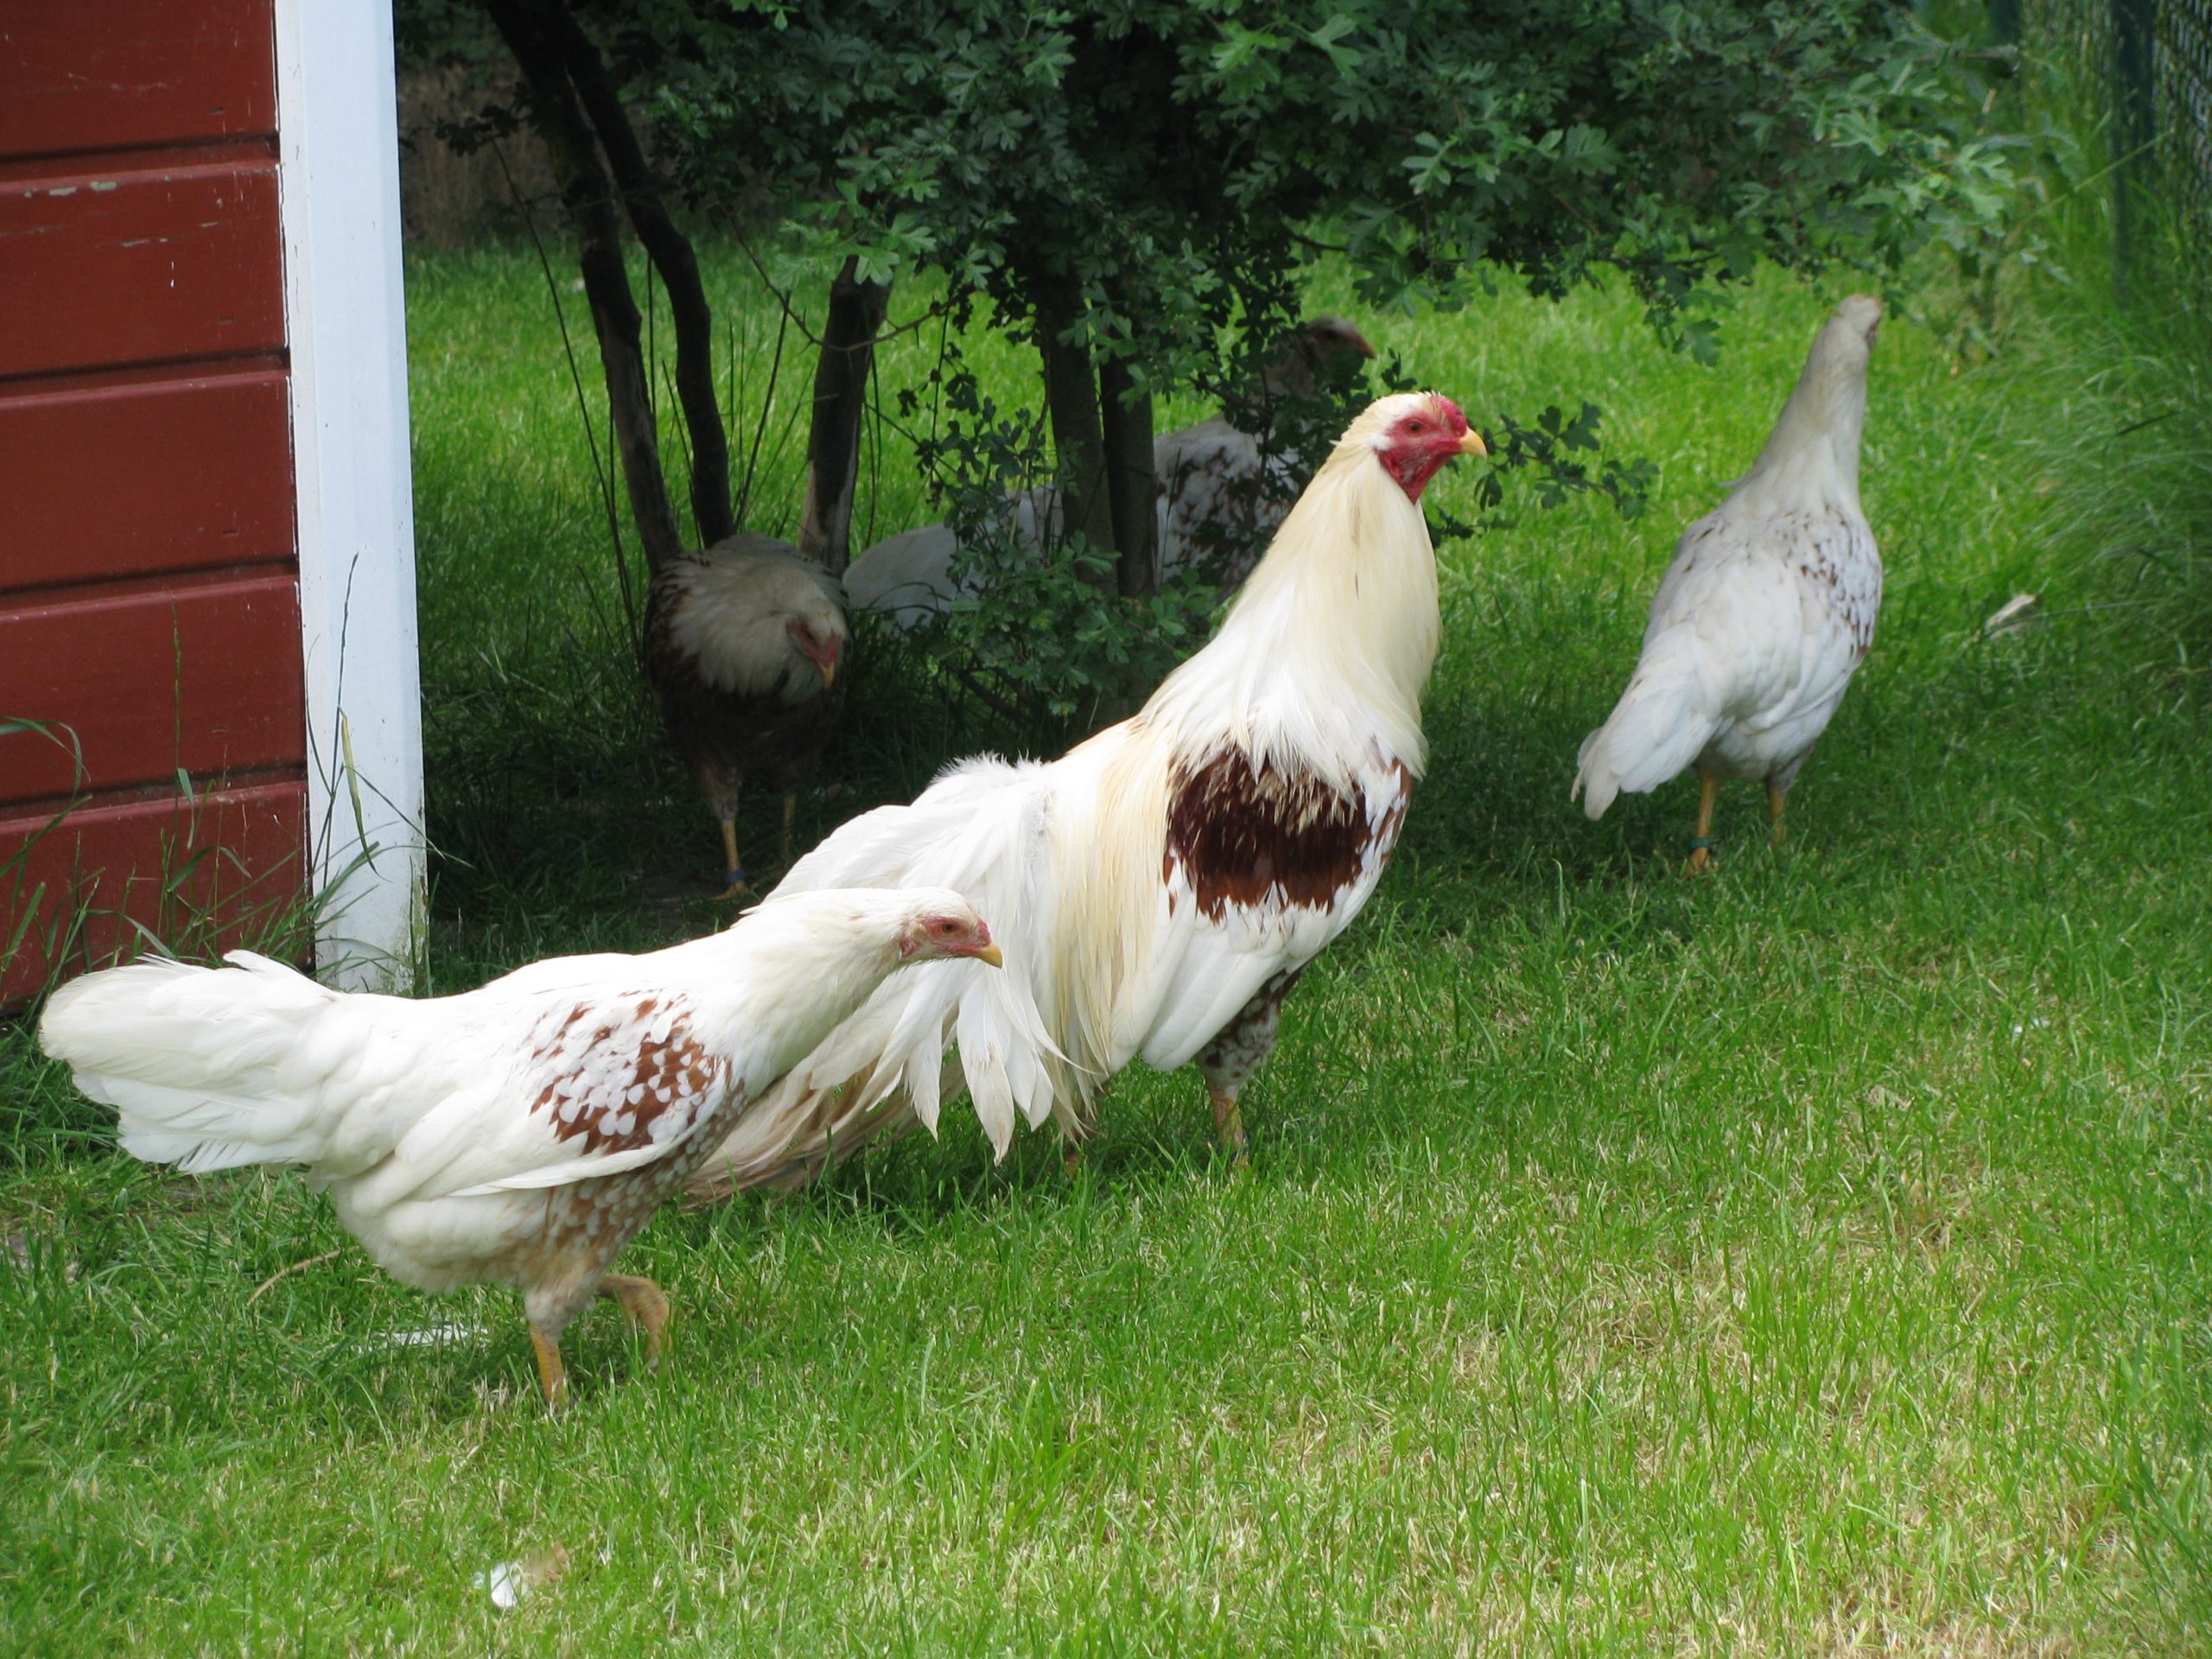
[[982, 829]]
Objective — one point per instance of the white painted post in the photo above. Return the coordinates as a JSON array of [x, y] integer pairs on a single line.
[[339, 153]]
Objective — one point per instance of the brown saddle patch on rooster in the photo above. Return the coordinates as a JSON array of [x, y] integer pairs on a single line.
[[1238, 833]]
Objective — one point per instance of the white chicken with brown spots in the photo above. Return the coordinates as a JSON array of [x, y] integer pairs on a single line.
[[1165, 882], [521, 1133], [1766, 612]]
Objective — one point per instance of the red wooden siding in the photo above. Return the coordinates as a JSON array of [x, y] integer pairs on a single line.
[[174, 262], [196, 450], [87, 75], [205, 677], [149, 582], [201, 874]]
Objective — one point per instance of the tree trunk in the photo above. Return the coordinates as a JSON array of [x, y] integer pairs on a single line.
[[670, 251], [1130, 490], [833, 442], [1072, 399], [588, 195]]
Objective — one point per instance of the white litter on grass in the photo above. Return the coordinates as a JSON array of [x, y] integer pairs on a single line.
[[508, 1582], [2033, 1025], [2016, 615], [434, 1335]]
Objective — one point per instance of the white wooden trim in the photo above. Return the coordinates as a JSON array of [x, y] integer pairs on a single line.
[[339, 150]]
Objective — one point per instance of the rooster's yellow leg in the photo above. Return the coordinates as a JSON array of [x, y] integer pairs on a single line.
[[791, 811], [734, 871], [1701, 843], [1774, 808], [1074, 1144], [552, 1376], [1228, 1123], [643, 1304]]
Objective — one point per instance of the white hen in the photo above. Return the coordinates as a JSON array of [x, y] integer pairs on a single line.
[[1163, 885], [520, 1134], [1766, 612]]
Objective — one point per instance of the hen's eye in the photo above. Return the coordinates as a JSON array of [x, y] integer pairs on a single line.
[[1415, 426]]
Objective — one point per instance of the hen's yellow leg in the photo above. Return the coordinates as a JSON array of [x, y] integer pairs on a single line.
[[552, 1376], [1701, 843], [1774, 810], [734, 872], [1228, 1123], [643, 1304]]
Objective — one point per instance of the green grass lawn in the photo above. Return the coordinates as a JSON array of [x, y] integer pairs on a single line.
[[1812, 1260]]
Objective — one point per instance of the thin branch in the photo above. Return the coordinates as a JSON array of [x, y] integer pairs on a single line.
[[670, 251], [936, 308], [588, 195], [296, 1267], [583, 406], [991, 699]]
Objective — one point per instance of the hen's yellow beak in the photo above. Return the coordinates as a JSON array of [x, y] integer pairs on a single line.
[[829, 673], [1472, 444], [992, 955]]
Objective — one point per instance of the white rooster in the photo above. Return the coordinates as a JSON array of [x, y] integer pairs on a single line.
[[521, 1133], [1217, 494], [1163, 884], [1766, 612]]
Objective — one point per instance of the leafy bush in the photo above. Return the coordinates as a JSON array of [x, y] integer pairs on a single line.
[[1037, 628]]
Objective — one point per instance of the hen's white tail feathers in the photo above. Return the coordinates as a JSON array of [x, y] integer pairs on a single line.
[[201, 1064], [1660, 725]]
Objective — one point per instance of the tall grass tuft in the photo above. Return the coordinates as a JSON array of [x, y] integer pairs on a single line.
[[2128, 470], [2117, 344]]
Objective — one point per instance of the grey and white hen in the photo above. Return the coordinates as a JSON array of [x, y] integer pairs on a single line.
[[742, 645], [1766, 612]]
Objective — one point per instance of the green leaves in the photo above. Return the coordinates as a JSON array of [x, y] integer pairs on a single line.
[[1549, 449], [1037, 628]]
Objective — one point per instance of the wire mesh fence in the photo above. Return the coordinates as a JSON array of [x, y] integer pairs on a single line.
[[2182, 66], [2146, 65]]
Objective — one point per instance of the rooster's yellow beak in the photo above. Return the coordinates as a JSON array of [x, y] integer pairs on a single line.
[[991, 954], [1472, 444]]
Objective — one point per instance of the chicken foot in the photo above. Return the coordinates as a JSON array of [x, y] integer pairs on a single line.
[[1701, 843], [734, 870], [645, 1307]]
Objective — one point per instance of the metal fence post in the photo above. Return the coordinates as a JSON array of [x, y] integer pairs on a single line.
[[2134, 123]]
